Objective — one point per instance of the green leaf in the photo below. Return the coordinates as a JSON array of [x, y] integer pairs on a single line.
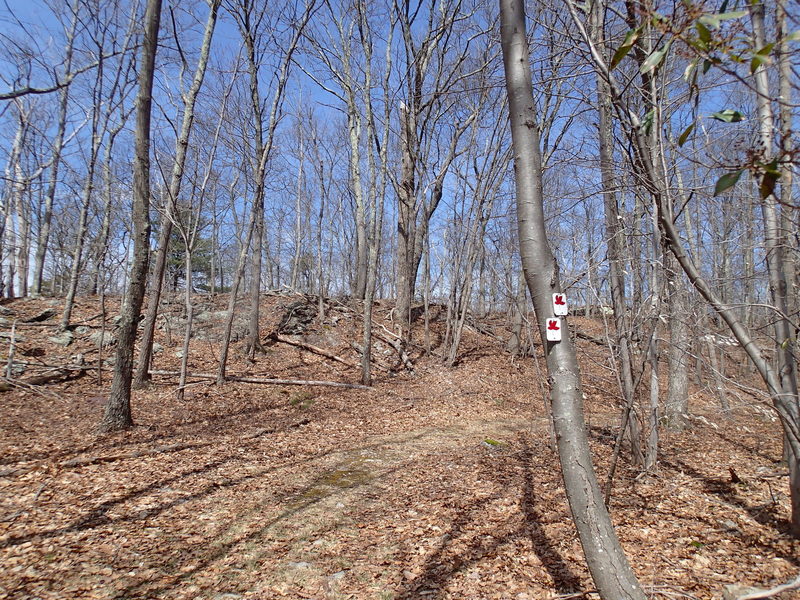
[[727, 181], [757, 61], [647, 122], [768, 184], [766, 49], [714, 21], [706, 65], [685, 135], [772, 168], [772, 173], [761, 57], [793, 37], [627, 44], [690, 71], [703, 33], [728, 116], [655, 59]]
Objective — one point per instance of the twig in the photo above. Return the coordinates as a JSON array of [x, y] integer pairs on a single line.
[[757, 594], [39, 491]]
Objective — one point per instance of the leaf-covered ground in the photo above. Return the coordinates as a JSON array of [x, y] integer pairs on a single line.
[[440, 484]]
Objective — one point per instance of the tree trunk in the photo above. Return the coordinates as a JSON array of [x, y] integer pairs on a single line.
[[44, 228], [607, 563], [676, 406], [406, 224], [614, 231], [170, 212], [789, 224], [776, 269], [118, 410]]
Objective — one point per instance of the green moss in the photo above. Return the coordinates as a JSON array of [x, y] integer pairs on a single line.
[[349, 475], [302, 399]]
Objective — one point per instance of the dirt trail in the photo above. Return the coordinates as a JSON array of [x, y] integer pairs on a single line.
[[370, 521], [434, 486]]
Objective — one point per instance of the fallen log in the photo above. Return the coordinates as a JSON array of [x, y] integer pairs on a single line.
[[313, 349], [590, 338], [265, 380], [398, 346], [7, 384]]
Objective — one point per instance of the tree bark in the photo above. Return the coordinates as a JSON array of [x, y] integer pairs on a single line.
[[607, 562], [776, 268], [614, 230], [170, 212], [118, 410]]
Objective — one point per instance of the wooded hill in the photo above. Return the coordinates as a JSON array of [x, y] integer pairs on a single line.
[[437, 484]]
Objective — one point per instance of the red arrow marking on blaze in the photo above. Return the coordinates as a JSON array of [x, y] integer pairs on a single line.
[[553, 325], [560, 300]]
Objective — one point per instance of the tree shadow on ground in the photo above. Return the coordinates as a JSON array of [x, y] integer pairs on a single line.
[[295, 501], [743, 446], [441, 566], [726, 490], [98, 516]]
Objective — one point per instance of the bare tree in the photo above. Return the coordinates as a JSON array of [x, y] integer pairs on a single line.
[[58, 144], [607, 562], [169, 212], [255, 32], [118, 410]]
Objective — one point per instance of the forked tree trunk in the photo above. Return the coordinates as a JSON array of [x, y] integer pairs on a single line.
[[170, 212], [118, 410], [607, 562]]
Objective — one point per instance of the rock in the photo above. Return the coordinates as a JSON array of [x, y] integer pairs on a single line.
[[729, 525], [17, 369], [82, 330], [4, 310], [297, 318], [735, 591], [179, 353], [208, 315], [107, 337], [300, 565], [7, 336], [62, 339], [157, 348], [42, 316]]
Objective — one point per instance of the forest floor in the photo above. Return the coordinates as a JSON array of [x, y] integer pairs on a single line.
[[434, 485]]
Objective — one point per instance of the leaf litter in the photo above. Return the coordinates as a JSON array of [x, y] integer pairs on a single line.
[[256, 492]]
